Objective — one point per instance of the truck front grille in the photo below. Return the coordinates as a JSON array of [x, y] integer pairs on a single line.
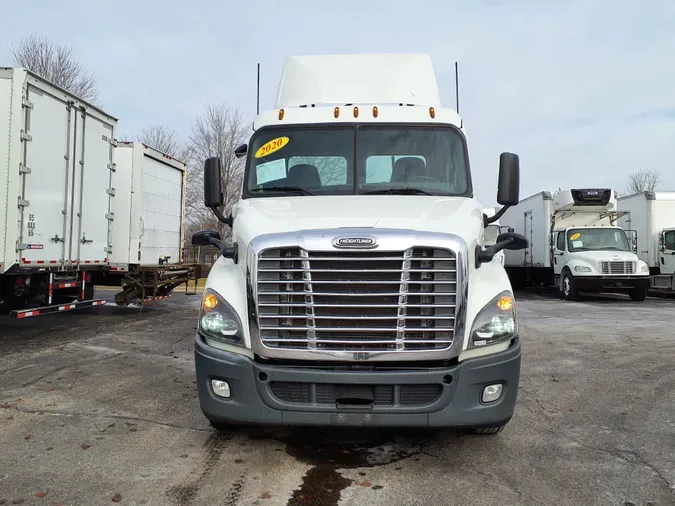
[[611, 268], [383, 395], [357, 301]]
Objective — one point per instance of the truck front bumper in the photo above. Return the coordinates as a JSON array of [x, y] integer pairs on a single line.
[[611, 283], [448, 397]]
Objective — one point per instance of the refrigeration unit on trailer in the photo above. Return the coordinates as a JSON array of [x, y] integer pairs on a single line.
[[574, 244], [56, 191], [652, 216], [148, 215], [356, 288]]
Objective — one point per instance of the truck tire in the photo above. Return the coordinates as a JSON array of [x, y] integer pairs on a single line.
[[638, 294], [568, 288]]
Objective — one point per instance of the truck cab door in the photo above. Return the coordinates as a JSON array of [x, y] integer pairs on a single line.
[[667, 253], [558, 260]]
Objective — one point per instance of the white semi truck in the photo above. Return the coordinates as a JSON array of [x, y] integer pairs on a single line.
[[357, 289], [574, 244], [652, 216], [78, 211]]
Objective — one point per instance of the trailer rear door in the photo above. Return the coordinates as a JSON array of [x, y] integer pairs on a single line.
[[44, 203], [66, 181], [161, 213]]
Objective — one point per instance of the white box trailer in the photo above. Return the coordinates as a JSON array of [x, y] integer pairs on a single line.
[[574, 244], [149, 207], [148, 216], [652, 216], [56, 189]]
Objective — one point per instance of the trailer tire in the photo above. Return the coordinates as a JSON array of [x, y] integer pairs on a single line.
[[638, 294], [568, 287]]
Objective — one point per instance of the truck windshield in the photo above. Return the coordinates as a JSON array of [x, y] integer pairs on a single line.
[[357, 159], [597, 239]]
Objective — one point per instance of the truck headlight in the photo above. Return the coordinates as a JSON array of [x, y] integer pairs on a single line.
[[218, 320], [495, 323], [582, 268], [644, 268]]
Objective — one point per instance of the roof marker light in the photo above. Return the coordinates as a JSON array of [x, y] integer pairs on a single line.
[[356, 111], [281, 114], [432, 112], [375, 111], [336, 112]]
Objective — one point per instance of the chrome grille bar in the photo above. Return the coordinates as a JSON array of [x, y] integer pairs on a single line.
[[346, 300], [617, 267]]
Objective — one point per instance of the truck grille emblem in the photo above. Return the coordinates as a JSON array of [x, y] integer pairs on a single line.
[[355, 242]]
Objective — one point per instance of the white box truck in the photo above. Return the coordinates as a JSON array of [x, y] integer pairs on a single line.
[[652, 216], [574, 244], [56, 191], [148, 216], [357, 289]]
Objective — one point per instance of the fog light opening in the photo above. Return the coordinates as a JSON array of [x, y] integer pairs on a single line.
[[262, 376], [492, 393], [221, 388], [447, 379]]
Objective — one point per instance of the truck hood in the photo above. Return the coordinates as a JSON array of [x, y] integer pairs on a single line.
[[460, 216]]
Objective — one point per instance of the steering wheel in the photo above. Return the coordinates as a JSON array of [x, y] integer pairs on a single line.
[[424, 178]]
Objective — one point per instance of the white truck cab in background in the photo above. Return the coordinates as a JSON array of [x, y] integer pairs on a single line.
[[575, 244], [356, 290], [652, 216]]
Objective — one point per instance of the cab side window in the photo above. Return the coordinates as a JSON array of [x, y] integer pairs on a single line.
[[670, 240], [561, 241]]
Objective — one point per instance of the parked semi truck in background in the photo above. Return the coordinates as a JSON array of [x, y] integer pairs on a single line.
[[652, 216], [574, 244], [68, 207], [357, 289]]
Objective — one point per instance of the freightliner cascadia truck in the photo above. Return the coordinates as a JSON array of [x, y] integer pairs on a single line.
[[356, 288]]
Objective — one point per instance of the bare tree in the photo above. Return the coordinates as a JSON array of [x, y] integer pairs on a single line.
[[217, 132], [642, 180], [165, 140], [55, 63]]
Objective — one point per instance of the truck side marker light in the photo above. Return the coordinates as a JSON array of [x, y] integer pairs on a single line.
[[210, 301], [505, 303]]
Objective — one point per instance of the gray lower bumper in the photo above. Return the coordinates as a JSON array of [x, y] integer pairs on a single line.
[[458, 404]]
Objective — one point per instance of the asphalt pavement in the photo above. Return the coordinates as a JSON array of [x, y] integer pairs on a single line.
[[99, 407]]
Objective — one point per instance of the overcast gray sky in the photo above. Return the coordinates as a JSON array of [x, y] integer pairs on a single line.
[[584, 93]]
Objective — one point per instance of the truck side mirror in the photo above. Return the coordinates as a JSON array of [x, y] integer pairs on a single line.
[[508, 191], [213, 185], [204, 237], [241, 150]]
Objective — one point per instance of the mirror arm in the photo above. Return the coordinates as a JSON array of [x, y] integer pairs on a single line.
[[228, 250], [227, 221], [486, 255], [487, 220]]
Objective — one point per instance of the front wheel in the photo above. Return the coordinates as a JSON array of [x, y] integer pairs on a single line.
[[638, 294], [568, 287]]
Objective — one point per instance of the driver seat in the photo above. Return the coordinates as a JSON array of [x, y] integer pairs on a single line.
[[407, 168]]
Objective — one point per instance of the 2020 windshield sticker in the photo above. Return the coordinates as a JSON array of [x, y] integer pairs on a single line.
[[575, 236], [271, 146]]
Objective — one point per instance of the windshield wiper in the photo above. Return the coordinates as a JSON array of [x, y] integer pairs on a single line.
[[398, 191], [290, 189]]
